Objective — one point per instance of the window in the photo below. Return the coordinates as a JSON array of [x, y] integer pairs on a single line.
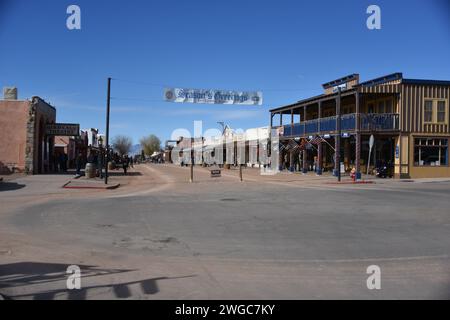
[[389, 106], [381, 107], [441, 111], [430, 152], [428, 115]]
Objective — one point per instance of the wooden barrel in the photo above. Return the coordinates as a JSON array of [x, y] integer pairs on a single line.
[[90, 170]]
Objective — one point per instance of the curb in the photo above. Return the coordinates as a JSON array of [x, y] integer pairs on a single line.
[[352, 182], [106, 187]]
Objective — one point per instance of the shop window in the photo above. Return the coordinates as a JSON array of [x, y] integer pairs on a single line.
[[430, 152], [428, 113], [370, 108], [441, 111]]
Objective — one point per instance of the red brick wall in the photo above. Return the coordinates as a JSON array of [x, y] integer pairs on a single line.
[[13, 122]]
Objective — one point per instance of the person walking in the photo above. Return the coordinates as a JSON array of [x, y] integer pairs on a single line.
[[100, 164], [78, 163], [125, 165]]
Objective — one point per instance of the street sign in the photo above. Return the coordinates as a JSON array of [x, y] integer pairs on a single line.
[[216, 173], [62, 129], [371, 142]]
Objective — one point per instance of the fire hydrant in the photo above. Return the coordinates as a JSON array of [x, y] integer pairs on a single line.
[[353, 174]]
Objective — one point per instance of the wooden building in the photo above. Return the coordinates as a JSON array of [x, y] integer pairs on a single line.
[[409, 119]]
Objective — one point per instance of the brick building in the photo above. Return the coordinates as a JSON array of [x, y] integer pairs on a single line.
[[24, 146]]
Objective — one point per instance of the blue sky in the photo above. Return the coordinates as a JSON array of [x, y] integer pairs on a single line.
[[286, 49]]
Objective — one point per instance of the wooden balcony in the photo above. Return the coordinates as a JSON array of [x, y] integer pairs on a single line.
[[369, 122]]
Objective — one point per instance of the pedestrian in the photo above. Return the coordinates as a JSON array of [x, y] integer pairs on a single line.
[[61, 162], [65, 159], [132, 162], [78, 163], [100, 165], [124, 165]]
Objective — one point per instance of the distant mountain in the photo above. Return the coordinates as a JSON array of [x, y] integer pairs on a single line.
[[135, 149]]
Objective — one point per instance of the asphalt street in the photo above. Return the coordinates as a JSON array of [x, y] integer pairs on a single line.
[[281, 237]]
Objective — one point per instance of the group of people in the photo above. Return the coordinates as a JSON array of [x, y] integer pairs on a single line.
[[60, 162], [123, 161], [98, 159]]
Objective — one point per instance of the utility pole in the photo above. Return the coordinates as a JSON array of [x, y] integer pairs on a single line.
[[108, 103], [192, 164], [339, 130]]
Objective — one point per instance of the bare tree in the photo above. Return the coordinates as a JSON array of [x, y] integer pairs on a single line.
[[150, 144], [122, 144]]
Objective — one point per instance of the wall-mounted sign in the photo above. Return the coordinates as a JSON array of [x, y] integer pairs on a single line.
[[213, 96], [341, 86], [62, 129]]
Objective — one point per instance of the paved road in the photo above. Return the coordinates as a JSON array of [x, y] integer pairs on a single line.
[[285, 237]]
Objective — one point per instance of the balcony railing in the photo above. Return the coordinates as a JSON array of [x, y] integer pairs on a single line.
[[380, 122], [369, 122]]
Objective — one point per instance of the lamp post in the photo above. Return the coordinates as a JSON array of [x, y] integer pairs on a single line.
[[100, 163]]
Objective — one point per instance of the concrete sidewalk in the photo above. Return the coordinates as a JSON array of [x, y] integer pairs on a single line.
[[85, 183]]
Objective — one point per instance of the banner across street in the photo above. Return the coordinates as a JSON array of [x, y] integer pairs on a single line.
[[207, 96]]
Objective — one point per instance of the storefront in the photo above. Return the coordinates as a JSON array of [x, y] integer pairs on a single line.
[[407, 118]]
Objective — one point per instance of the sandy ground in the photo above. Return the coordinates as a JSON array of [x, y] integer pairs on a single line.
[[287, 236]]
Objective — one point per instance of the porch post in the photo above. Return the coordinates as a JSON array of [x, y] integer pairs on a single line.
[[319, 159], [337, 139], [304, 163], [358, 139], [291, 160], [319, 114], [281, 157]]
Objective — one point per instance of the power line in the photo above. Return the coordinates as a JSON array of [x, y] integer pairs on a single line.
[[161, 85]]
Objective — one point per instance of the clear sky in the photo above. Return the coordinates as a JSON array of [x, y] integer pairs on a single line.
[[286, 49]]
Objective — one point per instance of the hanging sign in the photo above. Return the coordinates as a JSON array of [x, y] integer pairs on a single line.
[[207, 96], [62, 129]]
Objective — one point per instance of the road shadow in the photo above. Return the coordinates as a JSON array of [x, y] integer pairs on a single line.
[[120, 173], [10, 186], [18, 276]]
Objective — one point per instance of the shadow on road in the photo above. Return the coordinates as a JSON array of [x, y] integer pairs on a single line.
[[120, 173], [10, 186], [17, 276]]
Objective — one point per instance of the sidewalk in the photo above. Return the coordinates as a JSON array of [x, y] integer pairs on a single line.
[[85, 183]]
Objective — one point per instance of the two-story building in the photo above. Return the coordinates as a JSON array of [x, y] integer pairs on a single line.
[[408, 118]]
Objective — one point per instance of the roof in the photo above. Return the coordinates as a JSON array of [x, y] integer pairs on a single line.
[[380, 80], [340, 81], [427, 82], [370, 83]]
